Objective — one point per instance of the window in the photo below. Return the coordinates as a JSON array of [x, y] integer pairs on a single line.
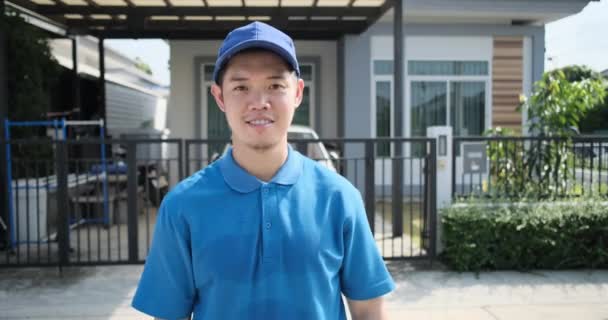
[[303, 114], [428, 106], [447, 93], [448, 68], [383, 116], [383, 104], [467, 108], [383, 67]]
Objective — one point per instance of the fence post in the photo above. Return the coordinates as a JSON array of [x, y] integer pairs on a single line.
[[63, 223], [370, 185], [433, 199], [397, 192], [132, 201], [187, 158], [180, 159], [455, 147]]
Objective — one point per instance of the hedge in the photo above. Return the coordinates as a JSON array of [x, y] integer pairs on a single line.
[[480, 235]]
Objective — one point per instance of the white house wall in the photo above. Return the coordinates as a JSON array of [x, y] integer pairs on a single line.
[[127, 108], [180, 119], [187, 116]]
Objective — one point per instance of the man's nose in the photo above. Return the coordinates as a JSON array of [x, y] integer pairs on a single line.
[[259, 100]]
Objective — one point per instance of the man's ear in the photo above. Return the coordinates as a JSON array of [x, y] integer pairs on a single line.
[[299, 92], [216, 91]]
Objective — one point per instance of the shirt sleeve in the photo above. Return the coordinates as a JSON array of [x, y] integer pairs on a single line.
[[364, 274], [166, 289]]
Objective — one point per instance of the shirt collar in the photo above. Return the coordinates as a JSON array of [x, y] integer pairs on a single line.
[[242, 181]]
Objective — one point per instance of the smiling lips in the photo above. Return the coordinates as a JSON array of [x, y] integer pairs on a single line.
[[260, 122]]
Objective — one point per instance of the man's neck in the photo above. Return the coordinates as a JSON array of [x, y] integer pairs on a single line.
[[261, 164]]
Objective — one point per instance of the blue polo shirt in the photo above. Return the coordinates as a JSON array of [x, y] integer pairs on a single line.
[[229, 246]]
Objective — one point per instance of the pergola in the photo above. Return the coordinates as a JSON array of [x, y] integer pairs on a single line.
[[208, 19]]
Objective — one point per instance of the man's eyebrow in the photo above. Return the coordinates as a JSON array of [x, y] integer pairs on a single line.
[[237, 78], [277, 77]]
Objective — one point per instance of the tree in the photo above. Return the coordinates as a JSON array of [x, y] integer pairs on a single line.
[[562, 98], [32, 74]]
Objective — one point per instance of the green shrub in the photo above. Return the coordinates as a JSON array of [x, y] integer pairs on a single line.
[[32, 74], [481, 235]]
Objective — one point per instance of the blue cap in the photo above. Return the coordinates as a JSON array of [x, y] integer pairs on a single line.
[[256, 35]]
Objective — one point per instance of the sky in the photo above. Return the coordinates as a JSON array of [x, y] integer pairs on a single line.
[[578, 39], [154, 52]]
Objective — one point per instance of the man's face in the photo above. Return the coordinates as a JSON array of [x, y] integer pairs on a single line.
[[259, 96]]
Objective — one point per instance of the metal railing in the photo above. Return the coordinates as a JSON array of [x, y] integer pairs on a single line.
[[71, 207], [541, 167]]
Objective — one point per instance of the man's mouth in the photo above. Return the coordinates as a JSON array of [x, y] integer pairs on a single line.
[[260, 122]]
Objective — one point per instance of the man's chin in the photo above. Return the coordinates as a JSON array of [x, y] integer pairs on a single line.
[[261, 146]]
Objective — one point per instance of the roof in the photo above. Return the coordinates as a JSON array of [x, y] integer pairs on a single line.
[[207, 19], [119, 68]]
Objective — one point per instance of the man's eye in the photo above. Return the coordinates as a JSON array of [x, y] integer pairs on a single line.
[[240, 88], [276, 86]]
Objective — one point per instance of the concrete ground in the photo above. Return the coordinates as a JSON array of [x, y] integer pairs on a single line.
[[106, 292]]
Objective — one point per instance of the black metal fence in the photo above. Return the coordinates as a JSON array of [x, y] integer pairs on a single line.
[[76, 203], [532, 167], [84, 202]]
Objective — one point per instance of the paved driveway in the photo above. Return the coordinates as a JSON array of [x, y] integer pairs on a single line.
[[106, 292]]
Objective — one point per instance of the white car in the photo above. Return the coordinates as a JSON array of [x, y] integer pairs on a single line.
[[314, 150]]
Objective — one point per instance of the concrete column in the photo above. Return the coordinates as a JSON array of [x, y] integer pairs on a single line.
[[443, 135]]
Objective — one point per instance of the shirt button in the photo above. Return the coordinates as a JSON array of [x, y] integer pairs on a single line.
[[265, 190], [268, 225]]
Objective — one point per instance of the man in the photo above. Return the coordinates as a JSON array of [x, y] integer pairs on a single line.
[[263, 232]]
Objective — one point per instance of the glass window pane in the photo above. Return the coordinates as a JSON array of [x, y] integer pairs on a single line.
[[306, 72], [448, 68], [302, 114], [209, 72], [383, 67], [429, 108], [383, 116], [467, 108]]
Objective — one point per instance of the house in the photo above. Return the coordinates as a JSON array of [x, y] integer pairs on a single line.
[[465, 65], [466, 62]]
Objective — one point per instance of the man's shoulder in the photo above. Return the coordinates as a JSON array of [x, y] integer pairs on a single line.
[[200, 184]]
